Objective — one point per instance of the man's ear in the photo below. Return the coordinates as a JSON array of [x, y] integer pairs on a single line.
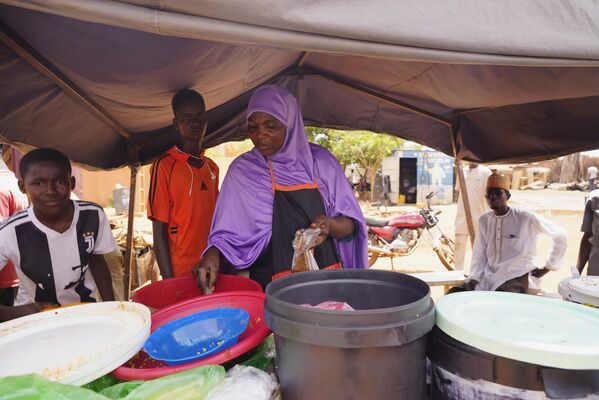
[[508, 194], [175, 125], [21, 184], [73, 183]]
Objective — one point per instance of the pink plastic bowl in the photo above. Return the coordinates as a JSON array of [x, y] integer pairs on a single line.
[[174, 290], [143, 367]]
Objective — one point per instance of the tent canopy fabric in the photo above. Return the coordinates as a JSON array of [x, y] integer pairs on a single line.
[[509, 80]]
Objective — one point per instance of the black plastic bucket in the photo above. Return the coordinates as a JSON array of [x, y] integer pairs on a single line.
[[463, 372], [376, 352]]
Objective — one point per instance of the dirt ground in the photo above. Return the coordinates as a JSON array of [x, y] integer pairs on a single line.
[[565, 208]]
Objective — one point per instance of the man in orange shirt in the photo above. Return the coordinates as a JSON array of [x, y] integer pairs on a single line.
[[183, 191]]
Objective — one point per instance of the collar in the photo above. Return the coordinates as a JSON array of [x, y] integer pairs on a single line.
[[182, 156], [509, 211]]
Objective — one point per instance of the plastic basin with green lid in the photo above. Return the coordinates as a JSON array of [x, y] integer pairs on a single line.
[[526, 328]]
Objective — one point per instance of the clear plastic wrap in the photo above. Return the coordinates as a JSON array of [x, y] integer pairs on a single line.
[[245, 383], [303, 257]]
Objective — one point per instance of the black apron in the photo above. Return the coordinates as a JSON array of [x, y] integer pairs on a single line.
[[294, 207]]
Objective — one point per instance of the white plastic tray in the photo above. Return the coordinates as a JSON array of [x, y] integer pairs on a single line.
[[532, 329], [74, 345], [587, 285], [580, 290]]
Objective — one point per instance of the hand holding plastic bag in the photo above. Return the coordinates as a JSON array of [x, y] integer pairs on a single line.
[[303, 258]]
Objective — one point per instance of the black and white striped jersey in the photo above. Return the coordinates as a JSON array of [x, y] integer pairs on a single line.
[[54, 267]]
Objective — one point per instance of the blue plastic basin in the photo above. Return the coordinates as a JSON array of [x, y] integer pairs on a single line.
[[197, 336]]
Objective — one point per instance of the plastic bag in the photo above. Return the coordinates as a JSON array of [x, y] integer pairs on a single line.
[[245, 383], [28, 387], [101, 383], [265, 354], [303, 258], [332, 305], [193, 384], [120, 390]]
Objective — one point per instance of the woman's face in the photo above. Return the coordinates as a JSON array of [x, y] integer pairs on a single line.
[[266, 132]]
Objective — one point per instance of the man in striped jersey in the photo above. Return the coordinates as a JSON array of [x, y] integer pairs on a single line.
[[57, 244]]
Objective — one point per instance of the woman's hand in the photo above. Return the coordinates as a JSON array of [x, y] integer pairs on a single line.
[[323, 223], [206, 271], [338, 227]]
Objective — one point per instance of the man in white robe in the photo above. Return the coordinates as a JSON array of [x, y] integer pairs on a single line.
[[506, 242]]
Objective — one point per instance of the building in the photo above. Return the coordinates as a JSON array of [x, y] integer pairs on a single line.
[[415, 173]]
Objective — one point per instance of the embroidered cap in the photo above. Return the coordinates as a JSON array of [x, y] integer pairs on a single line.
[[498, 181]]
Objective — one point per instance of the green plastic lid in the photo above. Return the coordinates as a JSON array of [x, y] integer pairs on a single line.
[[532, 329]]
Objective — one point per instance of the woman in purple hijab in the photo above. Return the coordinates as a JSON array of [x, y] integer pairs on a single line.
[[283, 184]]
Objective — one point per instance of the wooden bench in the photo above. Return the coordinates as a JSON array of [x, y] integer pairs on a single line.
[[447, 279]]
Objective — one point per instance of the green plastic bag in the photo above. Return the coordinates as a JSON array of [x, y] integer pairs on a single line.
[[264, 355], [193, 384], [121, 390], [101, 383], [34, 387]]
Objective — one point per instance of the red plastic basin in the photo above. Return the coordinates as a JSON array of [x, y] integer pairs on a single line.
[[174, 290], [143, 367]]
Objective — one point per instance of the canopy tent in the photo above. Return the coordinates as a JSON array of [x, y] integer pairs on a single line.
[[488, 81], [507, 80]]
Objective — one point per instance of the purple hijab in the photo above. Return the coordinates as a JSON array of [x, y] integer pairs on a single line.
[[242, 223]]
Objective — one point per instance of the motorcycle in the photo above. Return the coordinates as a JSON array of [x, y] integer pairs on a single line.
[[399, 236]]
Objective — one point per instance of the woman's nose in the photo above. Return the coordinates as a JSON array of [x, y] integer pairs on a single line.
[[261, 133]]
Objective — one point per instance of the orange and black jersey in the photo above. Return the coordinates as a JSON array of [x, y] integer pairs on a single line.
[[183, 197]]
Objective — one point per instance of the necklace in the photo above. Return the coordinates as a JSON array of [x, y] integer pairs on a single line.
[[212, 176]]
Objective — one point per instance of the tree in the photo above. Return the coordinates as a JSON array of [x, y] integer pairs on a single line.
[[571, 169], [367, 149]]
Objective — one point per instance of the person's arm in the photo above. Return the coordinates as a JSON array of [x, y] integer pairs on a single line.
[[558, 249], [337, 227], [584, 251], [11, 312], [206, 271], [104, 244], [161, 248], [102, 276]]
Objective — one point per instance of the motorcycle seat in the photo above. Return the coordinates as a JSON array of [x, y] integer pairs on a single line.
[[378, 222]]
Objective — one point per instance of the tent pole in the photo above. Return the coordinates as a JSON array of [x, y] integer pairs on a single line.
[[17, 44], [129, 244], [463, 187], [300, 75]]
